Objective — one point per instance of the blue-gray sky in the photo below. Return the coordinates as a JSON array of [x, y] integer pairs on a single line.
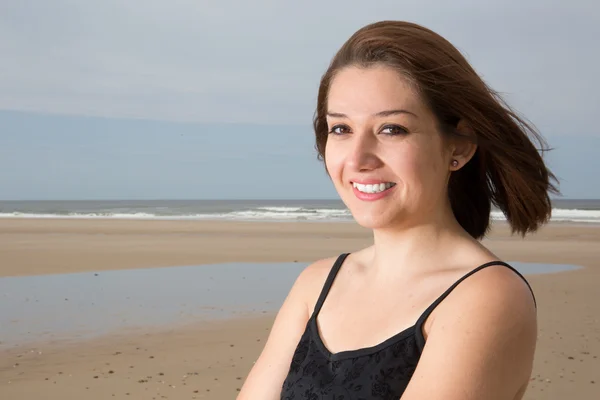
[[207, 99]]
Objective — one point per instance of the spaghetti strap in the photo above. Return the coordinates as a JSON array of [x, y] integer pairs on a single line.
[[327, 286], [429, 310]]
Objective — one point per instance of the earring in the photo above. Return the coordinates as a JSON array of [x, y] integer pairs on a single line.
[[455, 163]]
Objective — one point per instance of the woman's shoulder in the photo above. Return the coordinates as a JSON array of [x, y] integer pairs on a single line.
[[497, 280], [489, 290], [484, 275], [484, 332], [312, 278], [481, 272], [479, 283]]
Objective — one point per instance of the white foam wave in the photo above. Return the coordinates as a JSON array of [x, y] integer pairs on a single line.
[[280, 214], [564, 215], [289, 213], [280, 209], [261, 213], [135, 215]]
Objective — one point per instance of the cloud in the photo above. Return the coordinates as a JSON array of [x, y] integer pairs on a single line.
[[260, 62]]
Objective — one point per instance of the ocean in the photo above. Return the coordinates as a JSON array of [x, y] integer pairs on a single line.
[[579, 211]]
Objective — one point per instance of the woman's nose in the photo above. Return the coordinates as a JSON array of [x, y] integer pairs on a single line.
[[363, 153]]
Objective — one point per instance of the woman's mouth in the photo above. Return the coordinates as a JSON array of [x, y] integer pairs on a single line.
[[372, 188]]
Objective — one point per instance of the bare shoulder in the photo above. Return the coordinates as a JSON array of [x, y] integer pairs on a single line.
[[268, 374], [495, 288], [482, 340], [311, 280], [318, 269], [495, 300]]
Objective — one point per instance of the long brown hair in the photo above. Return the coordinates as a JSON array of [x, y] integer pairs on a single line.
[[506, 170]]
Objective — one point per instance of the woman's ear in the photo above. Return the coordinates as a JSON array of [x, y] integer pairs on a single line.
[[463, 145]]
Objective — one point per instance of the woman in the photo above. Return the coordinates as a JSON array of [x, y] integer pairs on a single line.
[[418, 148]]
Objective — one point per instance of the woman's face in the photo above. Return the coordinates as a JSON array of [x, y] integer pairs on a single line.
[[384, 153]]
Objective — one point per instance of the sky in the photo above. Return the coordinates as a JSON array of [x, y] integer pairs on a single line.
[[106, 99]]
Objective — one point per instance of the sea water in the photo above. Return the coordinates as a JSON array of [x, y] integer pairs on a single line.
[[564, 210]]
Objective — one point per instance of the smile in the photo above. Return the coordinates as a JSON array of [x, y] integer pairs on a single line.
[[373, 188]]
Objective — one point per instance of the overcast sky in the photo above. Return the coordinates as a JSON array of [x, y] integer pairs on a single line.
[[189, 68]]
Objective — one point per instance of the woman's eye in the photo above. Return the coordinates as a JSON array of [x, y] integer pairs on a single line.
[[339, 130], [394, 130]]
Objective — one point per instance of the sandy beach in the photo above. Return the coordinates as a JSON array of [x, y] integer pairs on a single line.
[[209, 360]]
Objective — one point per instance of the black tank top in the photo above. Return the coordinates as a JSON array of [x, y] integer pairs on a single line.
[[374, 373]]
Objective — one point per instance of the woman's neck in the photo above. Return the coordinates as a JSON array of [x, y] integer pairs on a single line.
[[417, 247]]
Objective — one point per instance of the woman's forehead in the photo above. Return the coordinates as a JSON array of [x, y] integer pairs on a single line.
[[368, 91]]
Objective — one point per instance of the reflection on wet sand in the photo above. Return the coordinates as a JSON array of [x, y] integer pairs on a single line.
[[83, 305]]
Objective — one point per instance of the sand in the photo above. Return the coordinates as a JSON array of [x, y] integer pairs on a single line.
[[209, 360]]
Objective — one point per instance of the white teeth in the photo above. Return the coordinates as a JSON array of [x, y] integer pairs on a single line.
[[376, 188]]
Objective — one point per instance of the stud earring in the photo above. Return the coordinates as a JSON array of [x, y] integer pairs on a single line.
[[455, 163]]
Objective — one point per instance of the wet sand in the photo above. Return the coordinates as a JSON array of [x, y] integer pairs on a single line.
[[209, 360]]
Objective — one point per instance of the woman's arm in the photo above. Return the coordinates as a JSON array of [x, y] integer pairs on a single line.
[[266, 378], [481, 343]]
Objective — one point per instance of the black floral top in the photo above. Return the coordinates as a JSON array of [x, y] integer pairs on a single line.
[[381, 372]]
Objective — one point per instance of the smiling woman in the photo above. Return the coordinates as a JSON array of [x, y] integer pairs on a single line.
[[418, 148]]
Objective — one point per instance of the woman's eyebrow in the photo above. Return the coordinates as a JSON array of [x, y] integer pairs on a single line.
[[385, 113]]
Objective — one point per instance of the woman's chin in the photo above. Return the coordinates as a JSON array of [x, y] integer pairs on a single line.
[[373, 221]]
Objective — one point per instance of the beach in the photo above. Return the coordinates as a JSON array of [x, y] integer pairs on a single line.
[[209, 359]]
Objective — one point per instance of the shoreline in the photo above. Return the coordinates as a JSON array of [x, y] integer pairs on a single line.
[[54, 246], [294, 220]]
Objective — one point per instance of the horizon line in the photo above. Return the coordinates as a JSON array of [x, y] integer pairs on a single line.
[[227, 199]]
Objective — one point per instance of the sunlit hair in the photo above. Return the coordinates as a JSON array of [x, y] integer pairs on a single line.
[[507, 169]]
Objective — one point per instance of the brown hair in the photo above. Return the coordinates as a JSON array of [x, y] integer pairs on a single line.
[[506, 169]]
